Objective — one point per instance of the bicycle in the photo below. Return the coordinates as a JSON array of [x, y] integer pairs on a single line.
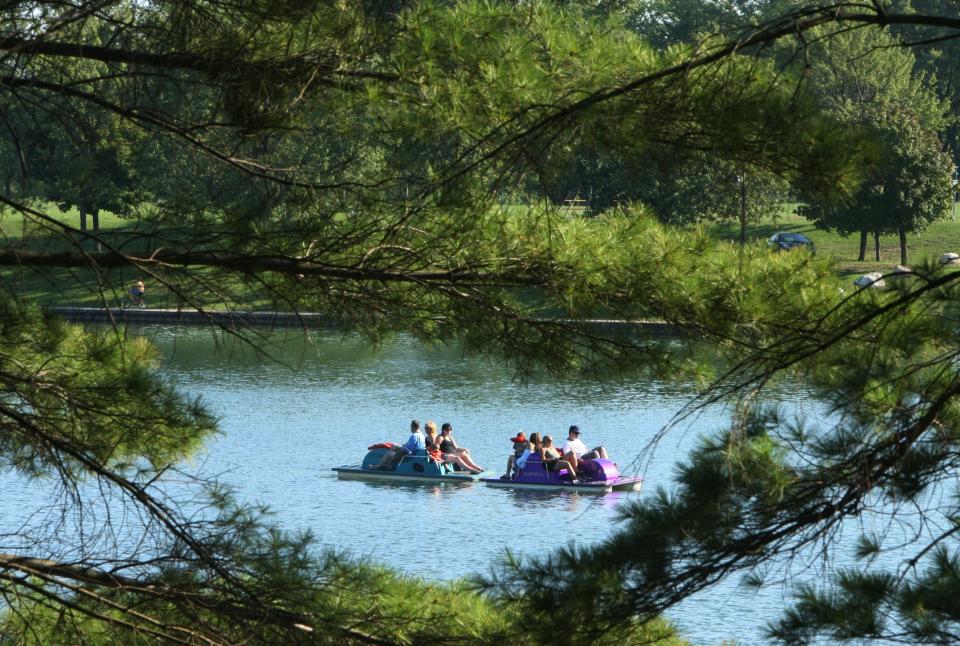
[[130, 300]]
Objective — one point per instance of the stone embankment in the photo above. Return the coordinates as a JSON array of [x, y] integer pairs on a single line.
[[275, 319], [190, 317]]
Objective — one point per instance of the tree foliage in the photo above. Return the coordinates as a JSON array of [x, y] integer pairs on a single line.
[[344, 159], [862, 78]]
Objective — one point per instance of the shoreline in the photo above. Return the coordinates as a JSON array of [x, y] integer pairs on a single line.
[[279, 319]]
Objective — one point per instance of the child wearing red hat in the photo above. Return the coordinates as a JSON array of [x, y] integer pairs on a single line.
[[520, 444]]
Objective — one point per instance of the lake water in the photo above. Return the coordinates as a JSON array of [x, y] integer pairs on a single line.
[[285, 425]]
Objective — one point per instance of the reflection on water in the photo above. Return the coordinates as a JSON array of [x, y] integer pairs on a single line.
[[527, 500], [286, 424], [421, 488]]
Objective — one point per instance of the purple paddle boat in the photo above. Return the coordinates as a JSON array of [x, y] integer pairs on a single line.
[[595, 476]]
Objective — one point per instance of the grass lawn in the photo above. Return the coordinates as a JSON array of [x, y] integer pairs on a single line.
[[12, 223], [939, 238], [85, 287], [58, 286]]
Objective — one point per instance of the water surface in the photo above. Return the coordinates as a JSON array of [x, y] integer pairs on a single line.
[[285, 427], [286, 423]]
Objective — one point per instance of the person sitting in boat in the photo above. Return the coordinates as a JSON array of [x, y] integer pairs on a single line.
[[532, 447], [519, 445], [554, 461], [450, 450], [430, 435], [433, 450], [574, 450], [416, 442]]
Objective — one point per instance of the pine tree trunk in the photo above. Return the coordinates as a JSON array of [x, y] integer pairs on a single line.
[[83, 217], [876, 246], [903, 244], [863, 245]]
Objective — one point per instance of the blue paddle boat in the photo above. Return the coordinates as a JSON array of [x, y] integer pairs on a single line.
[[418, 467], [594, 477]]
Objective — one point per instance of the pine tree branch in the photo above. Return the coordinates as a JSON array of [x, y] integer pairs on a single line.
[[324, 62], [57, 572], [792, 24], [253, 263]]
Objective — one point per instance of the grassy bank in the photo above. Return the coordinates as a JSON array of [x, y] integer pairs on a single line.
[[86, 287], [939, 238]]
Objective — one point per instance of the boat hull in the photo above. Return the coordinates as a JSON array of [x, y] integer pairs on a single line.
[[628, 484], [621, 484], [417, 467], [354, 472], [595, 477]]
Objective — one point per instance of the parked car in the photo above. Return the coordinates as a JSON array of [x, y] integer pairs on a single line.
[[783, 241]]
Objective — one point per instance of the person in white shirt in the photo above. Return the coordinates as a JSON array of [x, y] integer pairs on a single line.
[[574, 450]]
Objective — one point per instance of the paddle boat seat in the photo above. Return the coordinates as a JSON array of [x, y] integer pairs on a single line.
[[418, 462], [415, 467], [535, 469]]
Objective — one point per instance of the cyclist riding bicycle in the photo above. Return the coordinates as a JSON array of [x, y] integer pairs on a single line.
[[137, 291]]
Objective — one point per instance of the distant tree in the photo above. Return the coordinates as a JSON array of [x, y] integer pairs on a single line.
[[667, 23], [88, 159], [865, 79], [940, 60], [711, 190]]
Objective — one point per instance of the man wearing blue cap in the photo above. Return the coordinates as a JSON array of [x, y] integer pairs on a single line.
[[574, 450]]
